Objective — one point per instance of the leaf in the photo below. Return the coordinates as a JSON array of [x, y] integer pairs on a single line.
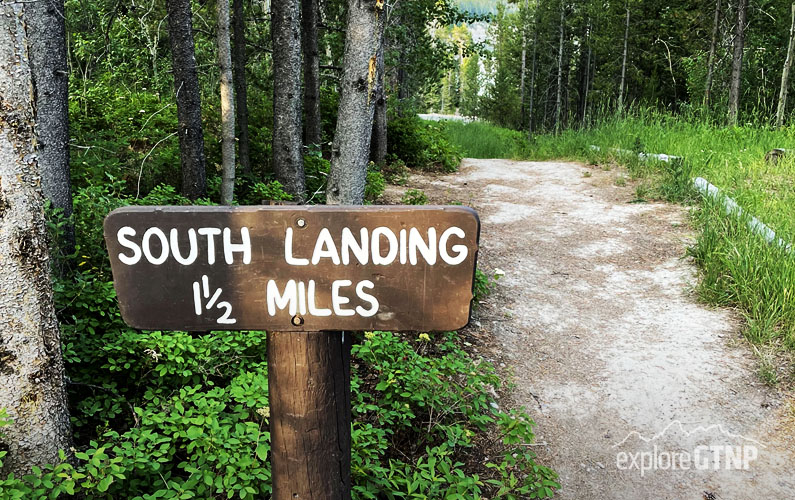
[[105, 483]]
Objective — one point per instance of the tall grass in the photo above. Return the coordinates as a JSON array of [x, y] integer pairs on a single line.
[[738, 268], [484, 140]]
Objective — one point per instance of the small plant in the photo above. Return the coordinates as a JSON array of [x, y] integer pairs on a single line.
[[272, 191], [642, 191], [375, 185], [484, 284], [396, 172], [621, 181], [414, 197]]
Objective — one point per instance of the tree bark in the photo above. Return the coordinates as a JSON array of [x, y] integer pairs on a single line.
[[310, 402], [737, 63], [47, 39], [711, 61], [288, 160], [312, 124], [378, 146], [363, 42], [186, 86], [31, 367], [624, 61], [533, 72], [241, 86], [524, 66], [559, 90], [227, 104], [782, 98]]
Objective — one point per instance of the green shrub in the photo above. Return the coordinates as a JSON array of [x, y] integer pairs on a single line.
[[178, 415], [414, 197], [421, 145], [375, 185], [396, 172]]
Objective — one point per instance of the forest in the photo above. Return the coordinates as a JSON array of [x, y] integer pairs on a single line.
[[249, 102]]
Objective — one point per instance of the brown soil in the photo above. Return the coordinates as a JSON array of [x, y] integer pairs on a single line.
[[610, 351]]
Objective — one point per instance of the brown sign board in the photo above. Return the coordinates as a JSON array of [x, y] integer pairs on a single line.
[[294, 268]]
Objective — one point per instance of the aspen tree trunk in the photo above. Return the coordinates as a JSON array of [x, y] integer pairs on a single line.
[[186, 87], [782, 98], [241, 85], [587, 88], [737, 63], [363, 43], [288, 159], [559, 94], [533, 75], [47, 46], [378, 146], [31, 367], [227, 104], [524, 66], [711, 61], [312, 126], [624, 60]]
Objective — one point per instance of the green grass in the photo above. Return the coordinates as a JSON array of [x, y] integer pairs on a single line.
[[484, 140], [738, 268]]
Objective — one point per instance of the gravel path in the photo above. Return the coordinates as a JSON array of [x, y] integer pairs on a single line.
[[619, 364]]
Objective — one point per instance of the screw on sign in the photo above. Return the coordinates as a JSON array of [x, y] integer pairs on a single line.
[[304, 274]]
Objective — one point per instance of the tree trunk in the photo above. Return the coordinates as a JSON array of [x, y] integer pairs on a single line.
[[524, 66], [782, 98], [737, 63], [310, 400], [241, 86], [588, 77], [403, 80], [711, 61], [582, 71], [186, 86], [31, 367], [378, 146], [312, 124], [624, 61], [47, 32], [559, 94], [364, 41], [227, 104], [533, 75], [288, 159]]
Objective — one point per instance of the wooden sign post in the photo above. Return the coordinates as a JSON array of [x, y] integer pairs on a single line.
[[305, 274]]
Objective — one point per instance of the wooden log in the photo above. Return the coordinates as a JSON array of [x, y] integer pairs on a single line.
[[310, 400]]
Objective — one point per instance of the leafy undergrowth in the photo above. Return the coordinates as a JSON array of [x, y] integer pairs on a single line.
[[178, 415]]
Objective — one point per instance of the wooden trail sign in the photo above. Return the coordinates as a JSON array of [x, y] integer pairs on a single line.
[[293, 268], [303, 273]]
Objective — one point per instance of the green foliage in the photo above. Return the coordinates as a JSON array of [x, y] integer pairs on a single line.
[[375, 185], [396, 172], [483, 140], [178, 415], [422, 145], [262, 191], [414, 197], [484, 284], [740, 269], [316, 170]]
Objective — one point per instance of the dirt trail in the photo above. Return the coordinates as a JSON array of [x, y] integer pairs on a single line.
[[611, 352]]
